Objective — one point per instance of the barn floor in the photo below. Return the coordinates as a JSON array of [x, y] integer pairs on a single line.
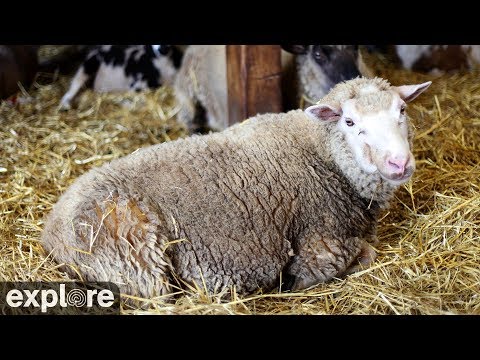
[[429, 254]]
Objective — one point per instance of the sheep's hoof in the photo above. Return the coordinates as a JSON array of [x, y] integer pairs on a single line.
[[287, 282], [364, 259], [64, 106], [373, 240]]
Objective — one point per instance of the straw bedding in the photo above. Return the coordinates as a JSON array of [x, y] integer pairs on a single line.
[[429, 253]]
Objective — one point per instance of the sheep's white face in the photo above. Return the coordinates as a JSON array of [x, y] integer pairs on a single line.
[[375, 126], [379, 139]]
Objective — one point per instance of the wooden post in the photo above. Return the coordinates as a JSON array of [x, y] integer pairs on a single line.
[[254, 80]]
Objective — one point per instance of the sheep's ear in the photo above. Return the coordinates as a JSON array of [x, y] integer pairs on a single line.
[[410, 92], [296, 49], [323, 112]]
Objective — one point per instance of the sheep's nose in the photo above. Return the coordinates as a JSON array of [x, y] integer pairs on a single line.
[[397, 165]]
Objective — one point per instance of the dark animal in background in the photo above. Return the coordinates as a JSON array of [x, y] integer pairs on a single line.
[[18, 64], [315, 69], [125, 67], [66, 61]]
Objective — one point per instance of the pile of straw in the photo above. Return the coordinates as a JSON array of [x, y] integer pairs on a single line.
[[429, 254]]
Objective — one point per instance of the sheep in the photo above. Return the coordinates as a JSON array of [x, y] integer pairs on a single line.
[[18, 64], [201, 83], [201, 86], [292, 196], [315, 69], [125, 67]]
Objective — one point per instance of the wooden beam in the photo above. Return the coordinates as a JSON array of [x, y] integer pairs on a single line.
[[254, 80]]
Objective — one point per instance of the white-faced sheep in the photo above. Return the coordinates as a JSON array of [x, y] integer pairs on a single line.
[[295, 193], [125, 67], [201, 83]]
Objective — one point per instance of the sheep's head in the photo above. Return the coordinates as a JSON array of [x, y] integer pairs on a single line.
[[331, 63], [375, 124]]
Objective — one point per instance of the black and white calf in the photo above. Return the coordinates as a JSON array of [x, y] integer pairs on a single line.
[[125, 67]]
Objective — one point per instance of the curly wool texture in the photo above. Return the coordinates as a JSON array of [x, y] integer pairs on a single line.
[[358, 88], [279, 193]]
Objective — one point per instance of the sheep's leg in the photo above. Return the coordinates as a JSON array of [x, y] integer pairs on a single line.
[[372, 240], [186, 113], [320, 259], [78, 81], [216, 111], [186, 92], [364, 259]]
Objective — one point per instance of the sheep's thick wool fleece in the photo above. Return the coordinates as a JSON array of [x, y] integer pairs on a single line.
[[241, 203]]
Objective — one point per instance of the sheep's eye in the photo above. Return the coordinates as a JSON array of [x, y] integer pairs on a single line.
[[349, 122], [402, 110], [320, 54]]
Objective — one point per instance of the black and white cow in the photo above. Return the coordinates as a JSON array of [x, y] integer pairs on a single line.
[[125, 67]]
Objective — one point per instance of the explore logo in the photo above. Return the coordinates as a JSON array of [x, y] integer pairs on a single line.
[[59, 298]]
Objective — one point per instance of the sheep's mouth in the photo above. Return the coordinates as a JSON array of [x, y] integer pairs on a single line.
[[398, 179]]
